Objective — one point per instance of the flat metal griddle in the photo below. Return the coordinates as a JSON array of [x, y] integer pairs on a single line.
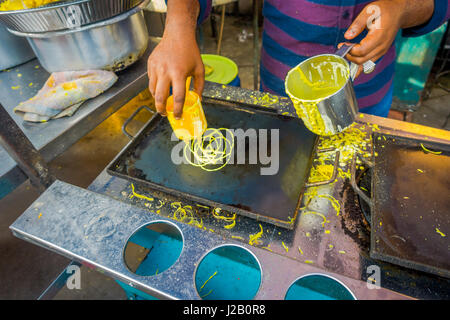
[[411, 204], [239, 188]]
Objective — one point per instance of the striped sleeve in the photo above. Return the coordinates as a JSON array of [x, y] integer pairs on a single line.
[[440, 15], [205, 10]]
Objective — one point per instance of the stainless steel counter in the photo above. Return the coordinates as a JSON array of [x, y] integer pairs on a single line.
[[79, 234], [54, 137], [284, 254]]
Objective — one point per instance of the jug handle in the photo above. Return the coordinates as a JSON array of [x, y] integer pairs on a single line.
[[342, 52]]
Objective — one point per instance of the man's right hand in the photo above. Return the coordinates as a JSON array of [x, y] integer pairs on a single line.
[[176, 58]]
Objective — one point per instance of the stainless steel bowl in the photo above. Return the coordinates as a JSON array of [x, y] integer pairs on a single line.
[[63, 15], [13, 50], [113, 44]]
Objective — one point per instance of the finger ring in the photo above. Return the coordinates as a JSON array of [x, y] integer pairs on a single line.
[[368, 66]]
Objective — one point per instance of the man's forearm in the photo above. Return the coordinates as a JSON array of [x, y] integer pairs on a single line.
[[416, 12], [182, 17]]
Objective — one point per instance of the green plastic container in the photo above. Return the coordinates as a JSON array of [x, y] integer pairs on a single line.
[[221, 70]]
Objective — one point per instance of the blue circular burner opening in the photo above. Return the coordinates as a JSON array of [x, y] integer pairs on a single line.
[[318, 287], [228, 273], [153, 248]]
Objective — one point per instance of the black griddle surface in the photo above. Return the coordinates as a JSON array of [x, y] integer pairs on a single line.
[[411, 204], [237, 187]]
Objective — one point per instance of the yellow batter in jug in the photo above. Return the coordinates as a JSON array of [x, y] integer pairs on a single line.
[[313, 81]]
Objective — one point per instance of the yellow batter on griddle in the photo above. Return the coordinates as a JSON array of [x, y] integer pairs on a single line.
[[212, 151], [311, 83]]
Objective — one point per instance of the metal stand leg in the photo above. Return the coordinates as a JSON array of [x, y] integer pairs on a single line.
[[23, 152], [59, 282], [255, 45], [212, 20]]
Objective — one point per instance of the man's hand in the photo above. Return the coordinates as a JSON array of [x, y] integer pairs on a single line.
[[176, 58], [383, 19], [173, 60]]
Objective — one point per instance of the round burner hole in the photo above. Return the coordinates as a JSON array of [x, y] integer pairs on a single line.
[[153, 248], [318, 287], [228, 272]]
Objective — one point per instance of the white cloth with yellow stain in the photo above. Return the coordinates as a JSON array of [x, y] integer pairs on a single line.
[[63, 93]]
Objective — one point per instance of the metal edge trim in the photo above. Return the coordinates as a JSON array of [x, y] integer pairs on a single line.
[[68, 254]]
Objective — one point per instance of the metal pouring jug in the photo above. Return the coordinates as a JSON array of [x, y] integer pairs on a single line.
[[331, 114]]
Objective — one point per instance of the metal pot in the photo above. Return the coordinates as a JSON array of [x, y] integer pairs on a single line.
[[63, 15], [13, 50], [112, 44], [334, 113]]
